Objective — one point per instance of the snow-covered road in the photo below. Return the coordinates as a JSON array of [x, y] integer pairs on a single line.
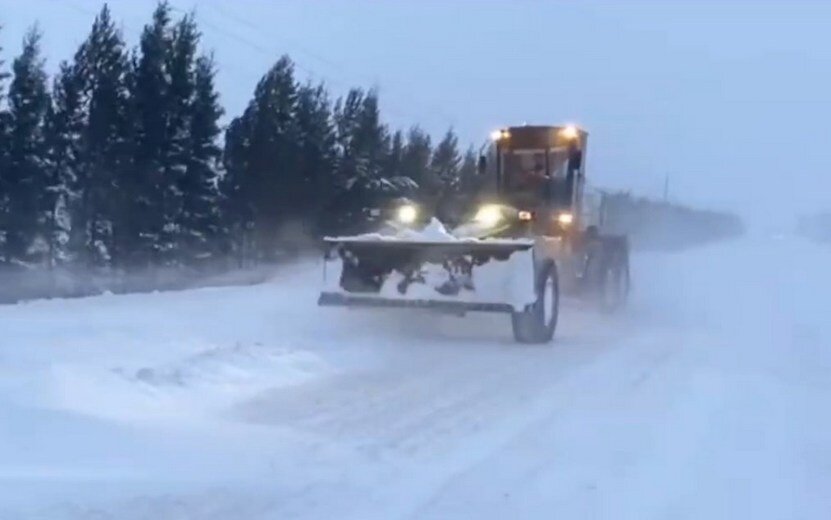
[[706, 399]]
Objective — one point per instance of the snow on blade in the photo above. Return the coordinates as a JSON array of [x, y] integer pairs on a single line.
[[433, 232], [496, 281]]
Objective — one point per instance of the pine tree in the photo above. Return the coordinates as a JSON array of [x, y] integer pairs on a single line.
[[369, 138], [4, 141], [347, 114], [394, 159], [397, 184], [106, 144], [269, 179], [415, 161], [445, 163], [469, 172], [181, 68], [4, 76], [236, 205], [64, 133], [145, 216], [200, 228], [317, 155], [363, 146], [25, 172]]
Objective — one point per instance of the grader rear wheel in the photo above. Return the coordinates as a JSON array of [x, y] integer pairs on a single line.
[[614, 286]]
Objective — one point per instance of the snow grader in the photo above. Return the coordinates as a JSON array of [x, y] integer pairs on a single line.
[[530, 232]]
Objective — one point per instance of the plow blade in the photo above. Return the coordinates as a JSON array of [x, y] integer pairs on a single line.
[[451, 276]]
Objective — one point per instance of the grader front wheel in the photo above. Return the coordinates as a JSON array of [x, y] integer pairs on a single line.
[[538, 321]]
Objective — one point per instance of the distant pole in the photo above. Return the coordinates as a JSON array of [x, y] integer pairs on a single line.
[[666, 188]]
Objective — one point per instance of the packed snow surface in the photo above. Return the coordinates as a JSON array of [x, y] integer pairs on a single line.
[[707, 398]]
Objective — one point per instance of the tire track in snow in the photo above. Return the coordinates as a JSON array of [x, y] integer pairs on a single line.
[[424, 400]]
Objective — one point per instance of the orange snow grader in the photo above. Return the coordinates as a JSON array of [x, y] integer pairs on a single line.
[[531, 233]]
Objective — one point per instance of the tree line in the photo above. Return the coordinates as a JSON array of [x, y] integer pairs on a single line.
[[121, 162], [815, 226], [659, 225]]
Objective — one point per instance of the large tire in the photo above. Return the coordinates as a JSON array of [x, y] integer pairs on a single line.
[[537, 323], [614, 284]]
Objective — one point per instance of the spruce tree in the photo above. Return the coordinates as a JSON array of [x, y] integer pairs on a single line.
[[4, 141], [181, 71], [392, 167], [25, 171], [346, 115], [199, 222], [363, 151], [106, 144], [4, 75], [317, 155], [415, 161], [145, 216], [469, 172], [270, 178], [343, 208], [64, 133], [236, 205], [394, 159], [445, 163], [369, 138], [444, 177]]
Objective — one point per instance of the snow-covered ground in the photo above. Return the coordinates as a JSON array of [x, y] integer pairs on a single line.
[[706, 399]]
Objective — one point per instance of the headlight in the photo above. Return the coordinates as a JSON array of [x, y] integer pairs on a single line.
[[498, 135], [407, 214], [565, 219], [489, 215], [570, 132]]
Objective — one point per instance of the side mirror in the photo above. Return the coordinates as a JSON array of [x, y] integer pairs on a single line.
[[482, 167]]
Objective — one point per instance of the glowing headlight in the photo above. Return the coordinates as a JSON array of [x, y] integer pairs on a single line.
[[489, 215], [407, 214], [565, 219], [570, 132], [497, 135]]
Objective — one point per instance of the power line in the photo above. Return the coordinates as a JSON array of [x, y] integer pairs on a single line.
[[392, 107], [313, 55], [233, 36], [226, 14], [270, 53], [76, 7], [254, 45]]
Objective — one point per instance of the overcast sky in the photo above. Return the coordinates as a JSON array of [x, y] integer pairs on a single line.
[[730, 99]]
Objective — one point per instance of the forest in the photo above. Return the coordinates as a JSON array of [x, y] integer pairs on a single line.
[[121, 172]]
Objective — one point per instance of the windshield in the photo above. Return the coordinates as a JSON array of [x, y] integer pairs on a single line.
[[534, 173]]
